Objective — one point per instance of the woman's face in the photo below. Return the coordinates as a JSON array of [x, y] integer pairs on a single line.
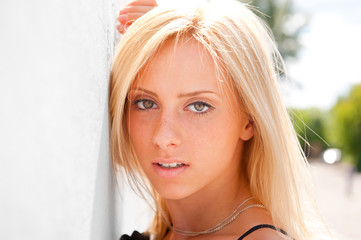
[[187, 134]]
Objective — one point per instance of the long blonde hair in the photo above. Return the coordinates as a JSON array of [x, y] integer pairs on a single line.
[[244, 50]]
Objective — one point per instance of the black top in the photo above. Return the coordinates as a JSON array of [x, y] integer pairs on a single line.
[[137, 236]]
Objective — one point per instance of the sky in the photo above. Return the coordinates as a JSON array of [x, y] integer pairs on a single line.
[[330, 61]]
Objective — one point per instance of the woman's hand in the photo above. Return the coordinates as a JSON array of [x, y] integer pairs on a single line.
[[132, 11]]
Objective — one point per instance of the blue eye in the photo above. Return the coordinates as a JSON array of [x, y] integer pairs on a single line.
[[144, 104], [199, 107]]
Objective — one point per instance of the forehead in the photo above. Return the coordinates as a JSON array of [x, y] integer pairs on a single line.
[[186, 50], [182, 63]]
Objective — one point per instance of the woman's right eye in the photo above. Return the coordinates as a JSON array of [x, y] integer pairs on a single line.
[[145, 104]]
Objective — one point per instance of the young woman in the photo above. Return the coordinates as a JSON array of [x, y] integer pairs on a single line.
[[197, 120]]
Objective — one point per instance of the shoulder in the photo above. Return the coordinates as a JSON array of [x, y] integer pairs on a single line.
[[260, 226], [265, 232], [135, 236]]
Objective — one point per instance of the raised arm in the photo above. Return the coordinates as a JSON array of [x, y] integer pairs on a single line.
[[132, 11]]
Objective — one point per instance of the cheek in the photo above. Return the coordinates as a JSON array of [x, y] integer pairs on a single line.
[[199, 130], [139, 133], [214, 135]]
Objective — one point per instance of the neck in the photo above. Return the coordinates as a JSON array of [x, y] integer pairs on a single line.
[[209, 206]]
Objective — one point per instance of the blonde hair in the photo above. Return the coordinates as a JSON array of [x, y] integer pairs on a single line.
[[243, 49]]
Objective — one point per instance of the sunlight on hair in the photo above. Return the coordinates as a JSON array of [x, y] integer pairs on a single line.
[[181, 4], [189, 3]]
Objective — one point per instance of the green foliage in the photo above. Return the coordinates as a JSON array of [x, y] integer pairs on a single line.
[[278, 14], [310, 128], [345, 127], [340, 127]]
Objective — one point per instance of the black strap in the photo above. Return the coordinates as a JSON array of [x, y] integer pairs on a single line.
[[255, 228]]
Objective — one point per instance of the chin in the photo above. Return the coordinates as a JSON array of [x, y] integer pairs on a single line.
[[173, 192]]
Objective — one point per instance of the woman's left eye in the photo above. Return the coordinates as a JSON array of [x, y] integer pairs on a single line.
[[199, 107]]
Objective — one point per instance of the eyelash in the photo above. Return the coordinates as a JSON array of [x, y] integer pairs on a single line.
[[210, 107], [135, 103]]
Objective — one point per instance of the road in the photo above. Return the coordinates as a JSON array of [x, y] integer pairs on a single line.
[[339, 198]]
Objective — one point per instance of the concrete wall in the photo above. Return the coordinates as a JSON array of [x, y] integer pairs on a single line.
[[55, 173]]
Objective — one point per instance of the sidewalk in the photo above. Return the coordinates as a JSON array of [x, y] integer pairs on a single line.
[[339, 198]]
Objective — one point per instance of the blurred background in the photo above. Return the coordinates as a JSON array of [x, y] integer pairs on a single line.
[[324, 97], [55, 173]]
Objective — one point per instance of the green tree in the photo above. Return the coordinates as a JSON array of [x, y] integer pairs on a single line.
[[284, 22], [345, 128], [310, 128]]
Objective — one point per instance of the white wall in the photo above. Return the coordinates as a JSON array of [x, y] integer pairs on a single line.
[[55, 172]]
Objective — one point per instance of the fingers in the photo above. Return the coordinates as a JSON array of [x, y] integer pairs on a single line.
[[122, 28], [133, 11], [130, 17], [136, 9], [126, 20], [143, 3]]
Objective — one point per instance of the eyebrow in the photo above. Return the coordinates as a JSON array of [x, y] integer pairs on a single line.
[[144, 90], [195, 93], [181, 95]]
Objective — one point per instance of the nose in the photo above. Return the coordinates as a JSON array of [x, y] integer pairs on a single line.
[[167, 133]]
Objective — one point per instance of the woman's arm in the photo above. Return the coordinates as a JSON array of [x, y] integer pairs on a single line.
[[132, 11]]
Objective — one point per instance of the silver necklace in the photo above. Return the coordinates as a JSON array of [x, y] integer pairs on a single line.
[[221, 224]]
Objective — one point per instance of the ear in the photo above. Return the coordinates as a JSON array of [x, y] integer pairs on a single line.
[[247, 130]]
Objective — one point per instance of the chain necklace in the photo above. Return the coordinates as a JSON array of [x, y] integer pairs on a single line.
[[221, 224]]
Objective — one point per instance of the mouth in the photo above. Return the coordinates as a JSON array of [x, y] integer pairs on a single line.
[[169, 168], [170, 165]]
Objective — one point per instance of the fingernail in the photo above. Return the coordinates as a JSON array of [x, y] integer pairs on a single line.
[[122, 12], [122, 18], [121, 28]]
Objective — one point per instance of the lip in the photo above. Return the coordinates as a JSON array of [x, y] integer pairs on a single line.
[[169, 172]]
